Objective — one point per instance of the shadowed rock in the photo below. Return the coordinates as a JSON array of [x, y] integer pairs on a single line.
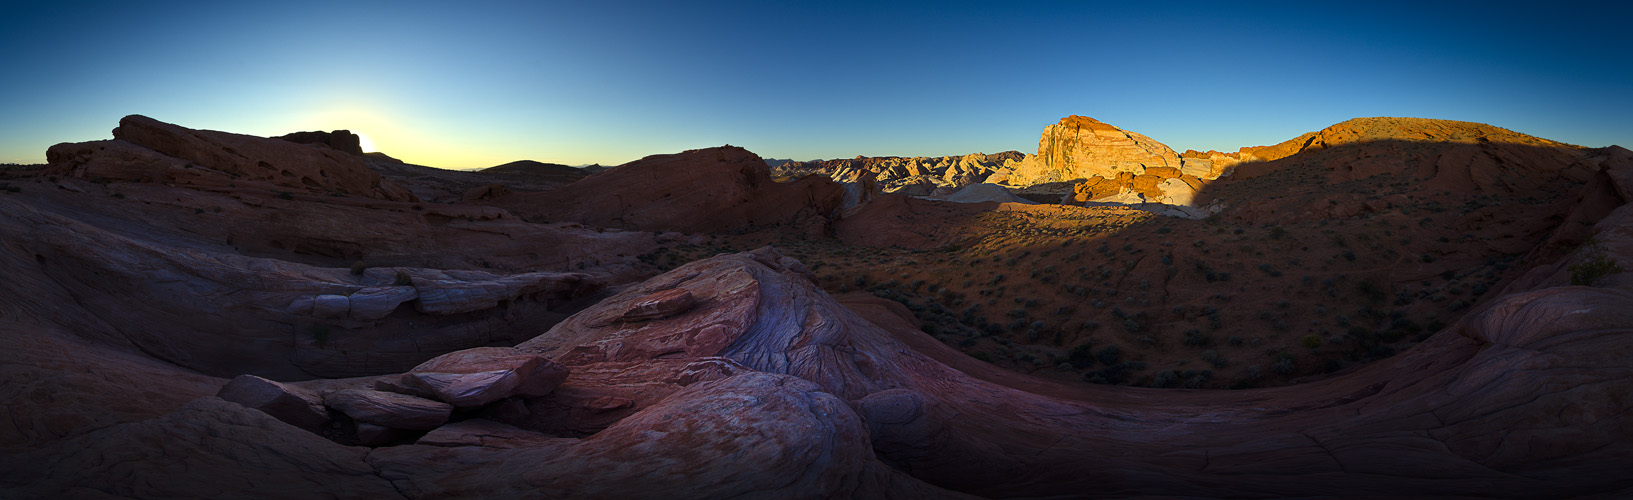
[[389, 410], [475, 377], [295, 405]]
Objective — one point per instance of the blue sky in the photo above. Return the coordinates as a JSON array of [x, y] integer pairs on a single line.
[[476, 84]]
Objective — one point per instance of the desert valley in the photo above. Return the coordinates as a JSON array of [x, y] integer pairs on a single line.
[[1386, 307]]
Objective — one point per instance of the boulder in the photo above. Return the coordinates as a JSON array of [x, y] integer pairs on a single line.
[[294, 405], [388, 409], [1176, 192], [1163, 172], [475, 377]]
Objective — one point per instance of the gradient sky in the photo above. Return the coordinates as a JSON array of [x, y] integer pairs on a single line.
[[476, 84]]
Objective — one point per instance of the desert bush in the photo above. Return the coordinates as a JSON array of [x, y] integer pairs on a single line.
[[1195, 338], [358, 267], [1311, 341], [1594, 269], [1110, 355], [402, 279], [1213, 356], [1284, 364]]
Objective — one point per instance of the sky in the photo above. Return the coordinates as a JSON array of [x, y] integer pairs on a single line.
[[477, 84]]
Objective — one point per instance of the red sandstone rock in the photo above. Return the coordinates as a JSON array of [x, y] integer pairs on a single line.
[[475, 377], [389, 410], [660, 305], [173, 150], [340, 140]]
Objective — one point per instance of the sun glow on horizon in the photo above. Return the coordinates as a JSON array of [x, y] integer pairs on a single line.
[[365, 143]]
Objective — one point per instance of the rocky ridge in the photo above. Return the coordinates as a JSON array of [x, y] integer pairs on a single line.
[[912, 176]]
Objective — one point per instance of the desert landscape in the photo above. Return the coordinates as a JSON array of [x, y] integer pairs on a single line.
[[816, 250], [1385, 307]]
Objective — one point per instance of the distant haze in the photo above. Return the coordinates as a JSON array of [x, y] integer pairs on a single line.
[[576, 83]]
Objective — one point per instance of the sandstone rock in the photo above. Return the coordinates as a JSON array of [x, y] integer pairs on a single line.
[[487, 434], [486, 192], [114, 160], [207, 449], [331, 306], [1163, 172], [446, 297], [913, 176], [475, 377], [177, 149], [377, 435], [340, 140], [386, 409], [374, 303], [705, 190], [1081, 147], [299, 407], [860, 191], [1176, 192], [660, 305], [980, 193]]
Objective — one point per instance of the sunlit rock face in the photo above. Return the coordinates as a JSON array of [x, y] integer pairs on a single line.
[[912, 176]]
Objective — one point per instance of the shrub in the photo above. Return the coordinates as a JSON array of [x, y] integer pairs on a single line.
[[1594, 269], [1110, 355], [1283, 365], [403, 279], [1195, 338], [358, 267], [1311, 341], [1213, 356]]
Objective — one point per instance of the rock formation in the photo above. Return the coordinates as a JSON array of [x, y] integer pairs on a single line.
[[148, 150], [914, 176], [1102, 163], [705, 190], [340, 140]]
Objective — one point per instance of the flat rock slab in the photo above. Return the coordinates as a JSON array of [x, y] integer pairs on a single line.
[[389, 409], [294, 405], [476, 377]]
